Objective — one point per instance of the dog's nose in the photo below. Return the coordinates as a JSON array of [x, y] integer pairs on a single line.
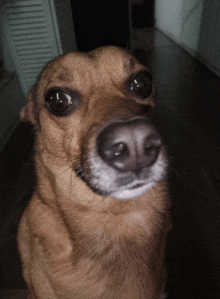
[[130, 145]]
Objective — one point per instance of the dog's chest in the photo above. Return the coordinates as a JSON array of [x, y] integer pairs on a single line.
[[114, 241], [112, 254]]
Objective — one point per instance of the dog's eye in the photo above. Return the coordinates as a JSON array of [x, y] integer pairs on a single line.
[[141, 84], [60, 102]]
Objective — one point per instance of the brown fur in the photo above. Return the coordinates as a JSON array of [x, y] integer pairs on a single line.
[[75, 243]]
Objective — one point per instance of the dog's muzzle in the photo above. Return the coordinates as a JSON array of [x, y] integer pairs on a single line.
[[128, 159]]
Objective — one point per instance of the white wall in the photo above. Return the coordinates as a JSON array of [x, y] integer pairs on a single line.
[[192, 11], [168, 17], [195, 25]]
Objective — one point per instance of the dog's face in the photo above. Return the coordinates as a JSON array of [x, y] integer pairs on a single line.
[[94, 112]]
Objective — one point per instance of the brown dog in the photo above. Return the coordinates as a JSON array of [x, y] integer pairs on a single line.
[[96, 225]]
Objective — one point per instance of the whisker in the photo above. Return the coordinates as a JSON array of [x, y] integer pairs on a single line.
[[71, 183], [80, 173]]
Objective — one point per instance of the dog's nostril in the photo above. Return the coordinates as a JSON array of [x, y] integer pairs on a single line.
[[110, 152], [119, 149], [148, 150], [151, 150]]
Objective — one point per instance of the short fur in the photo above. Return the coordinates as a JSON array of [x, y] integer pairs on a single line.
[[74, 242]]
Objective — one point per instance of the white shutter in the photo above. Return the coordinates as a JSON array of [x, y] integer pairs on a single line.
[[32, 35]]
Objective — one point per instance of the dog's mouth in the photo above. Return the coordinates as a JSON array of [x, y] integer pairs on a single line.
[[133, 190], [129, 187], [104, 180], [137, 185]]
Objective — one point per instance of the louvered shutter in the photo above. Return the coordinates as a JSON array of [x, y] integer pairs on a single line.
[[32, 33]]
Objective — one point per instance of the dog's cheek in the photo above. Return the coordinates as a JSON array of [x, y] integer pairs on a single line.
[[60, 137], [87, 146]]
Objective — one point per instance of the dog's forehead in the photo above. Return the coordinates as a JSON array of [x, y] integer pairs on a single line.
[[113, 57], [110, 57], [108, 61]]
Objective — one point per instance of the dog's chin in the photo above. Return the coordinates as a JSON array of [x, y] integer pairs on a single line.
[[132, 191]]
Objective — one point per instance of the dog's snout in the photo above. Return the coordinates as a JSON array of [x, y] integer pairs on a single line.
[[130, 145]]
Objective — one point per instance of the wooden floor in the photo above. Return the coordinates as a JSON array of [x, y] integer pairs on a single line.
[[189, 106]]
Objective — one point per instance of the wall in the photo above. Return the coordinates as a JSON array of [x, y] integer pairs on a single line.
[[195, 25], [191, 23], [168, 17]]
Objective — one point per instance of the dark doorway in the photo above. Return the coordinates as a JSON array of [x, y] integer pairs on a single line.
[[100, 23], [142, 13]]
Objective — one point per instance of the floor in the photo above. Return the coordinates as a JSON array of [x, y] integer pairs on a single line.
[[189, 105]]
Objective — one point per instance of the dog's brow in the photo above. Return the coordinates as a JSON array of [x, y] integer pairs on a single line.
[[130, 63], [64, 74]]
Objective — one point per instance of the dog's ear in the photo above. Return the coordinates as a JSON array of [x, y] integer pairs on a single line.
[[27, 111]]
